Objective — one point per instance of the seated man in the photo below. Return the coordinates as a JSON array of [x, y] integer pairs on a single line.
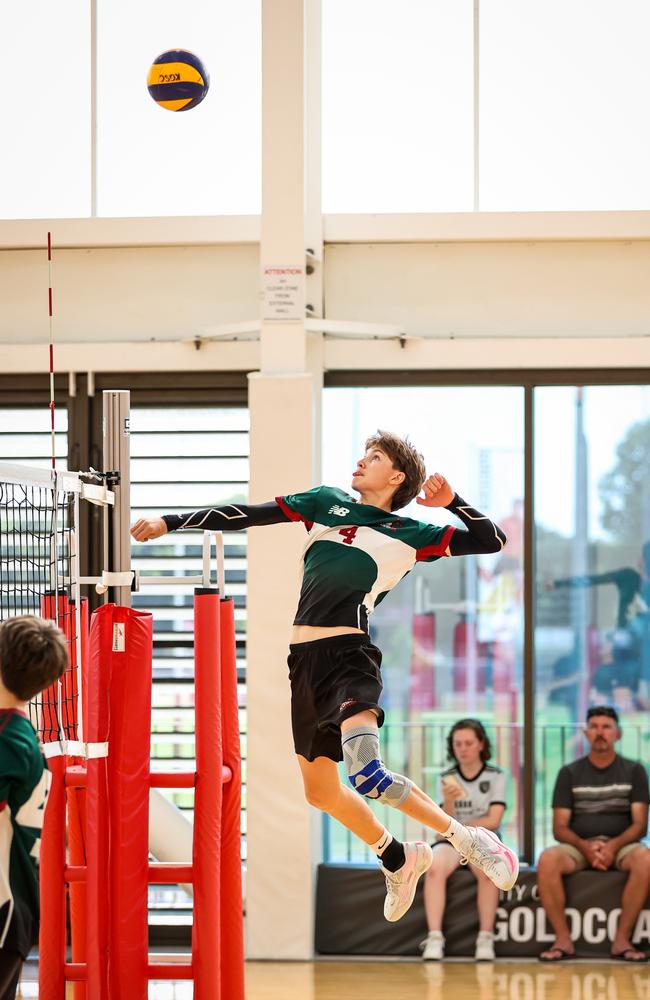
[[600, 814]]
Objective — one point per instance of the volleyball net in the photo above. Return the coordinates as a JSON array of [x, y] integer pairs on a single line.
[[39, 512], [95, 726]]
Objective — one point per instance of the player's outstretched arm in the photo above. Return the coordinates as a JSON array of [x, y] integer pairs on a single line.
[[480, 535], [232, 517]]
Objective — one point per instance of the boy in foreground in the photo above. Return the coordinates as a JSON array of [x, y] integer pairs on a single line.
[[356, 551], [33, 655]]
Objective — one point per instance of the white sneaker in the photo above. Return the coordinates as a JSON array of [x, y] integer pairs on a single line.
[[401, 885], [484, 947], [433, 947], [484, 849]]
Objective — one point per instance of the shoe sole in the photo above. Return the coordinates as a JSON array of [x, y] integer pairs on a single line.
[[424, 865], [515, 875], [506, 886]]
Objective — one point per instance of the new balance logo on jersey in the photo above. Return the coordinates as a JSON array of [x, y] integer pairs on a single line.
[[339, 511]]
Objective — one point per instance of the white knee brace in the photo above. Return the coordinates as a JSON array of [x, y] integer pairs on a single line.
[[367, 773]]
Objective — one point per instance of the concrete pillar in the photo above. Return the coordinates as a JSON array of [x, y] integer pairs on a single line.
[[284, 401]]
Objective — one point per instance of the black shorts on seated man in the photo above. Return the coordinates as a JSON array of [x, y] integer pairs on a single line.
[[600, 816]]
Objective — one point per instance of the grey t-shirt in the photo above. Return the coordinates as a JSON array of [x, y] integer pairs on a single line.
[[600, 798], [487, 789]]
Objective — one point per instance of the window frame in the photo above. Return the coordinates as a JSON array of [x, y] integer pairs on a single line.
[[529, 381]]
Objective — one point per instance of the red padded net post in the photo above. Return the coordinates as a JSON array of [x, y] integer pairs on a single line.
[[128, 645], [208, 796], [232, 937], [96, 718]]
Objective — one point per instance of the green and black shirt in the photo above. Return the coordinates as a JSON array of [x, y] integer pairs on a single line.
[[354, 553], [24, 787]]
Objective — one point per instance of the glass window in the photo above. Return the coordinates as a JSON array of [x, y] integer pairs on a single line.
[[451, 632], [564, 105], [45, 114], [397, 106], [206, 161], [592, 636]]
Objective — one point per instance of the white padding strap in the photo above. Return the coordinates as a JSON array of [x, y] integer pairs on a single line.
[[117, 579], [74, 748]]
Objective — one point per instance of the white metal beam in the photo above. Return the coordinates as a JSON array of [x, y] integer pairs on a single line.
[[342, 354], [462, 227], [26, 234], [204, 230]]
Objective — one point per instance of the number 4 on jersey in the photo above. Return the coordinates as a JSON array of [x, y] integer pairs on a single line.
[[348, 534]]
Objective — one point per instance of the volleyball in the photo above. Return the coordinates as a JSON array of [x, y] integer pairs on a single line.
[[178, 80]]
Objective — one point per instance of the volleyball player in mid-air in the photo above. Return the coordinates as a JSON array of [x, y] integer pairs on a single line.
[[355, 552]]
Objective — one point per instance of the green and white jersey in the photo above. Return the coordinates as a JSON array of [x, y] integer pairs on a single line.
[[24, 787], [354, 554]]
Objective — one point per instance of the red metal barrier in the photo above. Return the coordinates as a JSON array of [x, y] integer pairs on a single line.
[[232, 937], [108, 867], [52, 937], [208, 795], [77, 820]]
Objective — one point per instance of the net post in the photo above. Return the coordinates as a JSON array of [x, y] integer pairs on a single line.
[[116, 457], [208, 796], [76, 595]]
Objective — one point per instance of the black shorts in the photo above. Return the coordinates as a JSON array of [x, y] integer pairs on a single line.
[[331, 679]]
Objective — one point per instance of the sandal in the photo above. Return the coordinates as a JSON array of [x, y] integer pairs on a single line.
[[624, 956], [562, 955]]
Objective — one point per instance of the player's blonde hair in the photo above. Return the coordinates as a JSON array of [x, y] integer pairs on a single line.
[[406, 459]]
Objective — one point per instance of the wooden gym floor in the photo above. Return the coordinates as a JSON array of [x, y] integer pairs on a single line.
[[413, 980]]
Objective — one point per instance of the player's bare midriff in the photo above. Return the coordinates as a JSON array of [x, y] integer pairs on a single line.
[[310, 633]]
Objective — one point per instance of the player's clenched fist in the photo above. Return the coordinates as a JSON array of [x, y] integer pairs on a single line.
[[437, 492], [147, 528]]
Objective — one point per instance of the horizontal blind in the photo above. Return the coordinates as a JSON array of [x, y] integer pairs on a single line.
[[25, 436]]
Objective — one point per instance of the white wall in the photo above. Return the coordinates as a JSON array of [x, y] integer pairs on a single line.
[[126, 293], [494, 289], [562, 289]]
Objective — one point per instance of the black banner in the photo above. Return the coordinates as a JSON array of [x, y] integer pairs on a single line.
[[350, 920]]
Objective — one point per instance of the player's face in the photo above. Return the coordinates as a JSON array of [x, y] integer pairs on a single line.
[[467, 747], [373, 472]]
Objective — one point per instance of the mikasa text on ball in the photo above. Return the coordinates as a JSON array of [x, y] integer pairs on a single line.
[[178, 80]]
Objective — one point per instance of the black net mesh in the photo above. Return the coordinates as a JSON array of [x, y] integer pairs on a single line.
[[36, 567]]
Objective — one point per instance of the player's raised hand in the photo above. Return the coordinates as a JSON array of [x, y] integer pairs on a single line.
[[437, 492], [147, 528]]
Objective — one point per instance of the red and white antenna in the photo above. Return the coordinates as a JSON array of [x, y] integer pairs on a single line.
[[49, 268]]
